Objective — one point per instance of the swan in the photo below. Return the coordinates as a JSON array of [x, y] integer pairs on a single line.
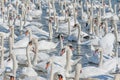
[[76, 35], [21, 54], [28, 71], [106, 43], [63, 28], [35, 13], [41, 43], [94, 58], [25, 39], [40, 66], [38, 32], [52, 68], [49, 45], [107, 47], [91, 71]]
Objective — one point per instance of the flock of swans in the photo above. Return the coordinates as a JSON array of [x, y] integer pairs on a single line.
[[38, 39]]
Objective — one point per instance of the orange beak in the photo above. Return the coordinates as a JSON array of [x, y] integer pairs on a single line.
[[26, 33], [60, 77], [12, 78], [62, 52], [47, 65]]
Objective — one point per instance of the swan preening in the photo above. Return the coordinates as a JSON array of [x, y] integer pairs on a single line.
[[30, 50]]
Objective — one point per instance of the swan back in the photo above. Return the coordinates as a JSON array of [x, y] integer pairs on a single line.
[[106, 43]]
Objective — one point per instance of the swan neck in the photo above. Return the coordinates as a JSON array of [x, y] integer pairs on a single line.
[[50, 31], [10, 45], [14, 64], [61, 42], [69, 29], [101, 59], [28, 56], [79, 32], [35, 59], [30, 35], [2, 51], [115, 6], [110, 4], [77, 71], [51, 71], [68, 58]]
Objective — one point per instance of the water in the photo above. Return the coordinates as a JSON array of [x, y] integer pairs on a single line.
[[79, 50]]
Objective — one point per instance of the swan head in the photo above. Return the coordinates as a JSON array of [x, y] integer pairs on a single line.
[[60, 77], [62, 52], [69, 46], [76, 25], [12, 76], [48, 63], [60, 36], [51, 19], [27, 32], [30, 43]]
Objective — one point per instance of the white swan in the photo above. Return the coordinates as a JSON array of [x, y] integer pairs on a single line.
[[29, 72], [106, 43], [63, 28], [90, 71], [25, 39], [52, 68], [77, 34], [38, 32]]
